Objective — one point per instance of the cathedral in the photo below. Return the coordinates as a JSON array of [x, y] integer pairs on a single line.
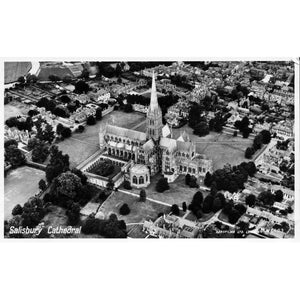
[[155, 150]]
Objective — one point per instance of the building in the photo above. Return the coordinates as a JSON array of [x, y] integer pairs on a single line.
[[171, 226], [139, 176], [154, 148]]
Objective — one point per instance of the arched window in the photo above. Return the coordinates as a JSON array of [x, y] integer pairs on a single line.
[[141, 180], [134, 179]]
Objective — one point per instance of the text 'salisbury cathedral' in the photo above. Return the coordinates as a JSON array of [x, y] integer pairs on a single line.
[[154, 151]]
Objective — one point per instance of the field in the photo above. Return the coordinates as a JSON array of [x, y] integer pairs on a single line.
[[179, 192], [221, 148], [13, 70], [19, 185], [14, 109], [139, 211], [82, 145]]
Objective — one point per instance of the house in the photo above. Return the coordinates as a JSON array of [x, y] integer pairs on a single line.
[[170, 226]]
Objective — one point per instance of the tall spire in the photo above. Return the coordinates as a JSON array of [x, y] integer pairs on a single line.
[[153, 101]]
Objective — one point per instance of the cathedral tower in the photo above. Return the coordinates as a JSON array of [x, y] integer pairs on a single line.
[[154, 115]]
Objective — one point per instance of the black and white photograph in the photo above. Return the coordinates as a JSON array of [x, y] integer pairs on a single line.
[[149, 149]]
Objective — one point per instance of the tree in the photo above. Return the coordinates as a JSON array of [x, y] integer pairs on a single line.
[[9, 143], [194, 115], [197, 199], [187, 179], [233, 186], [65, 99], [98, 113], [12, 122], [32, 112], [233, 216], [266, 197], [68, 184], [250, 200], [201, 129], [249, 152], [40, 151], [124, 209], [127, 185], [81, 87], [208, 179], [240, 208], [61, 111], [257, 142], [218, 202], [278, 196], [59, 128], [14, 156], [208, 204], [73, 213], [175, 210], [17, 210], [128, 108], [59, 163], [142, 195], [246, 133], [193, 182], [91, 120], [21, 79], [66, 132], [184, 206], [162, 185], [47, 134], [196, 204], [31, 78], [42, 185], [266, 136], [81, 175]]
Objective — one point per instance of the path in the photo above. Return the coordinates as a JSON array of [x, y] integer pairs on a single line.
[[147, 198]]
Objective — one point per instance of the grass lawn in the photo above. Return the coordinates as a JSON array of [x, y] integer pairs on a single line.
[[56, 217], [204, 218], [82, 145], [19, 185], [14, 109], [139, 211], [78, 151], [221, 148], [179, 192], [13, 70]]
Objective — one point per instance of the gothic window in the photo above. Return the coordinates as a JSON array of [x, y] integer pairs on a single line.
[[193, 154], [184, 169], [203, 169], [194, 171], [134, 179], [167, 158], [141, 180], [190, 170], [180, 168], [146, 177]]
